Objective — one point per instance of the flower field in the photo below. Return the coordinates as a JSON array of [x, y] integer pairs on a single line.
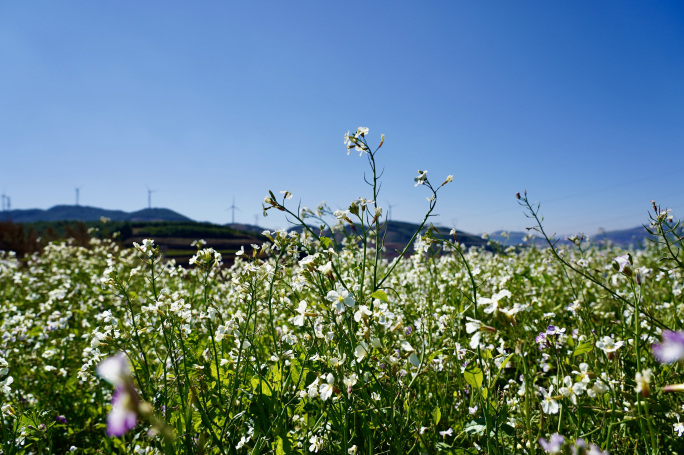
[[315, 343]]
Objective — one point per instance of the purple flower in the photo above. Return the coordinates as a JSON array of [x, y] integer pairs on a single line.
[[542, 341], [122, 417], [125, 402], [553, 445], [60, 419], [552, 330], [671, 349]]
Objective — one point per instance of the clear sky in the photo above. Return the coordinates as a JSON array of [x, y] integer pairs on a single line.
[[579, 102]]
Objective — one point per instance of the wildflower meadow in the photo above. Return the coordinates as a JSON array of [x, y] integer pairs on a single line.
[[321, 341]]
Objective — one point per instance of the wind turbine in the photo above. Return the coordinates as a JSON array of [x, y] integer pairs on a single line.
[[389, 210], [78, 189], [149, 196], [232, 208]]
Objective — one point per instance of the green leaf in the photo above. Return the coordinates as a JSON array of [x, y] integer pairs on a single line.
[[283, 445], [262, 385], [473, 376], [436, 415], [380, 294], [326, 242], [476, 426], [583, 348]]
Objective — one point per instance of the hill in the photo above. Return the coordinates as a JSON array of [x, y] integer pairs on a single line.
[[636, 236], [174, 238], [398, 234], [86, 213], [246, 227], [625, 237]]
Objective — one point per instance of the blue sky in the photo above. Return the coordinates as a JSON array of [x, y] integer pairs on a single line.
[[581, 103]]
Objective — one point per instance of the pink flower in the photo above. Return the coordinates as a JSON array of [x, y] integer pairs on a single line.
[[671, 349], [123, 416], [553, 445], [125, 400]]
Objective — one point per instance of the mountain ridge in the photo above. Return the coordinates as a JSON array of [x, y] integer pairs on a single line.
[[88, 213], [630, 236]]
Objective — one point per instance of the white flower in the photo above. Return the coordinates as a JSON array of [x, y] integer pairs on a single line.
[[549, 405], [406, 346], [679, 428], [571, 391], [242, 442], [301, 309], [350, 381], [599, 388], [326, 389], [623, 264], [475, 340], [326, 268], [446, 433], [362, 313], [316, 444], [5, 385], [335, 362], [341, 214], [643, 381], [608, 345], [115, 369], [472, 325], [340, 299], [494, 301], [583, 373], [312, 389], [422, 177], [361, 351]]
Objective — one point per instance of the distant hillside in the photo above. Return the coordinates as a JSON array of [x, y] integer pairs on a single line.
[[86, 213], [636, 236], [624, 237], [156, 215], [246, 227], [399, 233], [174, 238], [513, 238]]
